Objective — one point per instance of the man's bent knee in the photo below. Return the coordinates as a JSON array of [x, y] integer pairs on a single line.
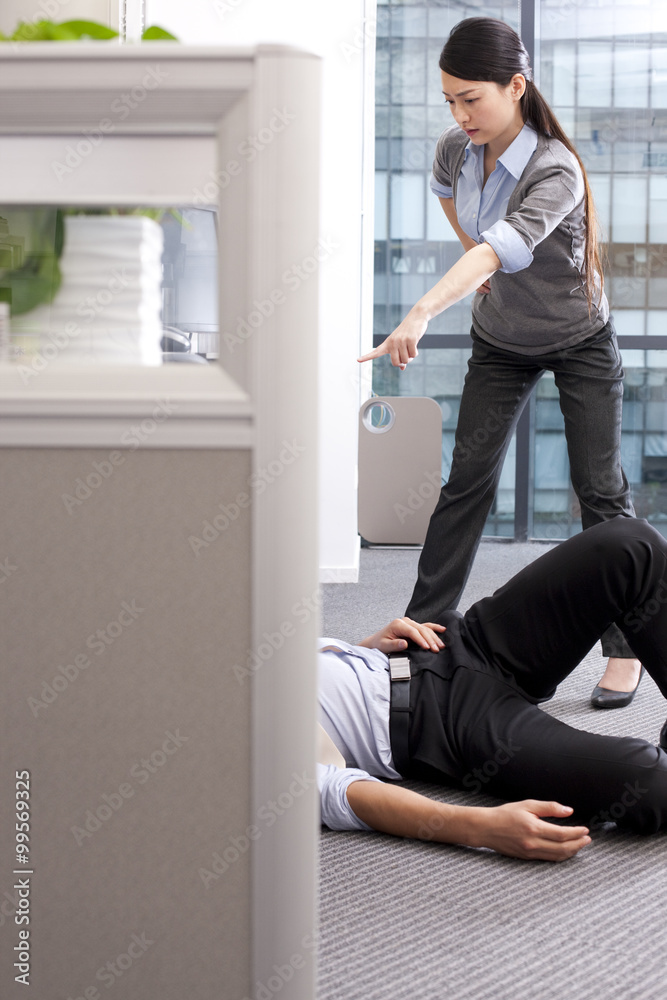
[[639, 803]]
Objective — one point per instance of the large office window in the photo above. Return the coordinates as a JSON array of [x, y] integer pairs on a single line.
[[602, 65], [603, 69]]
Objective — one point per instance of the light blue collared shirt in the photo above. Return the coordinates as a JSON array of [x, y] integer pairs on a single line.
[[354, 696], [481, 208]]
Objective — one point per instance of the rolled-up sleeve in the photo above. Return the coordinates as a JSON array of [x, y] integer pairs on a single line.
[[549, 201], [335, 810], [442, 190], [510, 249]]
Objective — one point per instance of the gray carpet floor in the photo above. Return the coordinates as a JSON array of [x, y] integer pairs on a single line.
[[404, 920]]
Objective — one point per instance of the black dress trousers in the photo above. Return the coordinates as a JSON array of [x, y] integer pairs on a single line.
[[474, 707]]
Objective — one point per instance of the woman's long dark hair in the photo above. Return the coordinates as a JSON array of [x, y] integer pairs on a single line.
[[483, 48]]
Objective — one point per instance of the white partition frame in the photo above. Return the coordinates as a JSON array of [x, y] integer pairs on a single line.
[[183, 132]]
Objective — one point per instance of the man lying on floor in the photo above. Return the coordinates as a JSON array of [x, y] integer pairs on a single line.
[[465, 711]]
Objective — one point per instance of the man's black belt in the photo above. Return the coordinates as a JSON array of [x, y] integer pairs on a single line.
[[399, 711]]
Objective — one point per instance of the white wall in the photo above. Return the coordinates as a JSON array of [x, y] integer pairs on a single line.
[[335, 31]]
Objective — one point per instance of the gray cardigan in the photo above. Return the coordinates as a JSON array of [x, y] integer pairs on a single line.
[[542, 307]]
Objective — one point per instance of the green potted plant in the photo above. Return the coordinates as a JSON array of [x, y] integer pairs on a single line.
[[73, 31]]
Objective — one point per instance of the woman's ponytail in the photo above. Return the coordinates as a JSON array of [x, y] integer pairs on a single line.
[[537, 112]]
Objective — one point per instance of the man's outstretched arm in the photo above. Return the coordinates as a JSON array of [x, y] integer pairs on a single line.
[[514, 829]]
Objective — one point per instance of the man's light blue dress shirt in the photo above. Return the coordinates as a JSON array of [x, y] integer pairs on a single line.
[[353, 686]]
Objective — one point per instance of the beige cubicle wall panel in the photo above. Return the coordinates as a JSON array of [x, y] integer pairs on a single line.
[[400, 468], [125, 610]]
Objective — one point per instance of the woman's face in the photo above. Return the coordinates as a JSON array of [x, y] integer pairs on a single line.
[[485, 111]]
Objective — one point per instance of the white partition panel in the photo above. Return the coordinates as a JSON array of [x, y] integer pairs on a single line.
[[240, 128]]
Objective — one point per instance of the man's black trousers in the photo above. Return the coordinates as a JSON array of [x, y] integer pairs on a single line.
[[474, 714]]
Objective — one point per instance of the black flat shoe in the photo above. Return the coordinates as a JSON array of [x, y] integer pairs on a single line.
[[606, 698]]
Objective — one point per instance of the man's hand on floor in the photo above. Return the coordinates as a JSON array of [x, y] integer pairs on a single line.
[[516, 829], [392, 638]]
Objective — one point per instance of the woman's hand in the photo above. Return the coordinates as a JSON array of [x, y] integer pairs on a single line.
[[401, 345], [485, 288], [393, 637]]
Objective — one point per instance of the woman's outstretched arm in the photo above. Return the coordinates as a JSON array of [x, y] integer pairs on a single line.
[[467, 274]]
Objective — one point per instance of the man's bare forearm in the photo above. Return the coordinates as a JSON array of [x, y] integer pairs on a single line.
[[397, 810], [515, 829]]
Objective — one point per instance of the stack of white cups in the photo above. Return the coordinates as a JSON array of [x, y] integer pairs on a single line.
[[108, 307]]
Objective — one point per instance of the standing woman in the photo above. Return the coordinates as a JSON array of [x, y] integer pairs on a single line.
[[515, 190]]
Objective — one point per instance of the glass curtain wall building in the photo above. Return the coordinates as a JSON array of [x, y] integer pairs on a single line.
[[602, 65]]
